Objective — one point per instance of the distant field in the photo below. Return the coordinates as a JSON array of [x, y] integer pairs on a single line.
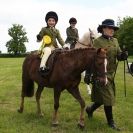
[[28, 122]]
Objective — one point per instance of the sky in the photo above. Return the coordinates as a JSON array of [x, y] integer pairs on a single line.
[[31, 14]]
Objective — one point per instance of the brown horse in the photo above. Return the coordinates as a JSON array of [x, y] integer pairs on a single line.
[[65, 74]]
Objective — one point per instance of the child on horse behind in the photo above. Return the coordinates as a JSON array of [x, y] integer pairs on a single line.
[[72, 33], [49, 34]]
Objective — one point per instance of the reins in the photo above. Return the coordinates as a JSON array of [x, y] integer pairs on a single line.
[[93, 73], [91, 40], [129, 68], [125, 92], [101, 74], [83, 43]]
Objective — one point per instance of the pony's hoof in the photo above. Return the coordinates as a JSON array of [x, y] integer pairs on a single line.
[[20, 110], [81, 126]]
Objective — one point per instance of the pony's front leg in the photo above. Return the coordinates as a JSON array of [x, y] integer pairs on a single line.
[[57, 94], [81, 119], [75, 92], [20, 110], [38, 95]]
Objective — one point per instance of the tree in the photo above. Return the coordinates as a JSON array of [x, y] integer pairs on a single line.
[[18, 38], [125, 33]]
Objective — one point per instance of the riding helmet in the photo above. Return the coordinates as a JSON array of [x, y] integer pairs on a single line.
[[51, 14], [72, 20]]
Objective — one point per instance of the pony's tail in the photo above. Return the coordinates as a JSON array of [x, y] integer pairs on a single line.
[[27, 87], [27, 83]]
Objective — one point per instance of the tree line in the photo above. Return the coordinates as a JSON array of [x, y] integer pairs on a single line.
[[16, 45]]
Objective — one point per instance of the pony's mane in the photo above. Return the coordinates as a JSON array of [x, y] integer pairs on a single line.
[[74, 51]]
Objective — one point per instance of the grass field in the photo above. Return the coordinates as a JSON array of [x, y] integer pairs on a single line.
[[28, 122]]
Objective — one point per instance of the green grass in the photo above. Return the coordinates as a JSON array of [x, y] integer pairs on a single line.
[[28, 122]]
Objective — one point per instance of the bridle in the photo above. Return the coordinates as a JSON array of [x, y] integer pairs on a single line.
[[94, 74], [91, 40], [83, 43], [91, 37]]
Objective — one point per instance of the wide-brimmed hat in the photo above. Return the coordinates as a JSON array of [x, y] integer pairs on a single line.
[[72, 20], [107, 23], [51, 14]]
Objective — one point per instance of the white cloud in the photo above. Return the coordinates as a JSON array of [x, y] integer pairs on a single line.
[[31, 14]]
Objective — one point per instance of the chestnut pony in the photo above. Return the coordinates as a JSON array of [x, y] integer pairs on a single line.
[[65, 74]]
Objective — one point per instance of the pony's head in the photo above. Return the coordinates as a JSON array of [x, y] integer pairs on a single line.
[[86, 40], [100, 67]]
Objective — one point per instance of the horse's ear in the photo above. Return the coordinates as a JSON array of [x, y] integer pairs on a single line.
[[105, 49], [101, 50], [90, 30]]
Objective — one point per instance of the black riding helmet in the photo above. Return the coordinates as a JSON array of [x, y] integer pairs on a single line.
[[51, 14], [72, 20]]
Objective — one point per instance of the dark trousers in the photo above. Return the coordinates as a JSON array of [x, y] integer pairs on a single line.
[[109, 114], [107, 110]]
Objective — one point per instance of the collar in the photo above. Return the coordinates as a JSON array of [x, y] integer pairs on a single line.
[[50, 27], [107, 37], [72, 27]]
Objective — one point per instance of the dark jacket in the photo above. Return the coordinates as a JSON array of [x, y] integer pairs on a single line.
[[54, 34], [72, 35]]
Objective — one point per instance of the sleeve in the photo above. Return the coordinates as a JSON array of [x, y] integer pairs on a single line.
[[96, 43], [118, 47], [69, 35], [77, 35], [41, 34], [59, 38], [121, 55]]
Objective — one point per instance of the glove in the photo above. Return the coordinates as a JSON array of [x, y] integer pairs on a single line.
[[66, 46], [122, 56], [87, 79], [38, 37]]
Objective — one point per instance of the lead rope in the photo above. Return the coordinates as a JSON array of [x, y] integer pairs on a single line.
[[115, 71], [129, 68], [91, 38], [125, 89]]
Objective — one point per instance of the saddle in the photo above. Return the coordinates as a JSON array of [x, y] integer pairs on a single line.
[[52, 59]]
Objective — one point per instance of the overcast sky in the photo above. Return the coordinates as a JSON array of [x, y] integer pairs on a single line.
[[31, 14]]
